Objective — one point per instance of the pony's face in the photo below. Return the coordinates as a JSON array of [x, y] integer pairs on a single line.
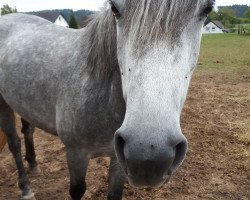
[[158, 45]]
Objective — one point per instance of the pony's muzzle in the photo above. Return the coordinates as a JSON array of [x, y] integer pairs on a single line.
[[149, 163]]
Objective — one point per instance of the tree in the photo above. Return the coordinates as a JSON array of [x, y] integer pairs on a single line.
[[72, 21], [238, 9], [247, 14], [212, 16], [226, 16], [6, 9]]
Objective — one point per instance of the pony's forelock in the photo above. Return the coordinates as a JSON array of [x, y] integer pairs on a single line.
[[147, 21]]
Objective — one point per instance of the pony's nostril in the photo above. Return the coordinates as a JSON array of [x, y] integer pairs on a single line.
[[119, 148], [180, 152]]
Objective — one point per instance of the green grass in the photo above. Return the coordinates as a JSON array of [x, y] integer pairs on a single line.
[[224, 51], [247, 26]]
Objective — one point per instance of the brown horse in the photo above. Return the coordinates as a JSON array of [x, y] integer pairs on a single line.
[[3, 140]]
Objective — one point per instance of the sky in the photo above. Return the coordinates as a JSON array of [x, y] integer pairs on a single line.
[[35, 5]]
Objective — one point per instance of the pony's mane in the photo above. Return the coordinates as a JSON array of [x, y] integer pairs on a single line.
[[100, 34]]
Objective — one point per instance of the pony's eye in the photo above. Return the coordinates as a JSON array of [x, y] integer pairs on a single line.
[[208, 9], [114, 9]]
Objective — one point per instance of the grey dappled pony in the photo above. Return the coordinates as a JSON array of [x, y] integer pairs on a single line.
[[69, 83]]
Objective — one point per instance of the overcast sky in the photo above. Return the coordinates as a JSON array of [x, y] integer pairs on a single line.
[[34, 5]]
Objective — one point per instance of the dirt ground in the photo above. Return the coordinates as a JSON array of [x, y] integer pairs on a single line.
[[216, 121]]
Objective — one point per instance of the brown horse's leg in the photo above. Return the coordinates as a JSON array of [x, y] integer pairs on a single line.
[[30, 156], [3, 140], [116, 180], [7, 123]]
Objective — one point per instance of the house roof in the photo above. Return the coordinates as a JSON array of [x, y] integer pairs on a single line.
[[218, 24], [50, 15]]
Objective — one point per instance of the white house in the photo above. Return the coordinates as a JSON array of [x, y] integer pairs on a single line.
[[61, 21], [214, 27], [54, 16]]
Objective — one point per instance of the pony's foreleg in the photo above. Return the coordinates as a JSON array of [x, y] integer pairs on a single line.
[[30, 156], [116, 180], [78, 161], [7, 123]]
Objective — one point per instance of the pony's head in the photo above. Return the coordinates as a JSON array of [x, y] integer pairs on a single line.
[[157, 48]]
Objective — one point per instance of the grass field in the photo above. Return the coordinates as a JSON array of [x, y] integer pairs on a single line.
[[228, 57], [224, 52], [247, 26], [215, 120]]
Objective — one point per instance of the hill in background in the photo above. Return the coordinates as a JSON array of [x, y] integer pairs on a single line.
[[79, 14], [239, 10]]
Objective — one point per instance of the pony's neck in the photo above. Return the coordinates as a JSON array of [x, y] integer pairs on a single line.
[[101, 38], [100, 35]]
